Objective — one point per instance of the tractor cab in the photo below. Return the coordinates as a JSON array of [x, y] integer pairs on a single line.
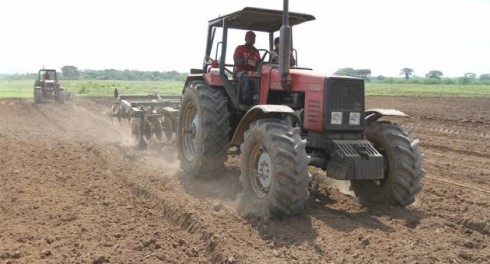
[[47, 75], [47, 79], [217, 69]]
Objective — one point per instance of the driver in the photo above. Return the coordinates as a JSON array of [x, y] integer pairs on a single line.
[[246, 58]]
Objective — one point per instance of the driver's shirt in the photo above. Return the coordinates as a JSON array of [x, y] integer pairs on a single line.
[[251, 56]]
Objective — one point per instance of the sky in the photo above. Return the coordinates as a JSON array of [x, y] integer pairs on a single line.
[[452, 36]]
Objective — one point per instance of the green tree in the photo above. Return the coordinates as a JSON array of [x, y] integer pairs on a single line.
[[346, 72], [485, 77], [70, 72], [131, 75], [363, 73], [468, 78], [470, 75], [434, 74], [407, 72]]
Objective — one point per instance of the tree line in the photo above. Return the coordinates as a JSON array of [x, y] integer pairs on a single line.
[[73, 73], [70, 72], [434, 76]]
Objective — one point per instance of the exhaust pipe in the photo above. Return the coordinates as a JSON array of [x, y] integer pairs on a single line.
[[284, 48]]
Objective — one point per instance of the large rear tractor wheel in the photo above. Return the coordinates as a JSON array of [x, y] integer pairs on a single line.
[[274, 172], [38, 96], [203, 130], [402, 167], [141, 132]]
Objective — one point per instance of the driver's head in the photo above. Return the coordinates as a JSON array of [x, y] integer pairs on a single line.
[[250, 37]]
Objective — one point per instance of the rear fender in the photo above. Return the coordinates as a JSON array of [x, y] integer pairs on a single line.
[[374, 114], [190, 78], [260, 112]]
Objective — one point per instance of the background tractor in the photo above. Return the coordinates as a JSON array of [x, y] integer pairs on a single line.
[[47, 86], [299, 119]]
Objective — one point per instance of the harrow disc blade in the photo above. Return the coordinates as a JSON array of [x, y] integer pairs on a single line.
[[168, 127]]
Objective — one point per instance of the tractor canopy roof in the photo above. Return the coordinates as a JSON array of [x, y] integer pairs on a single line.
[[258, 19], [47, 70]]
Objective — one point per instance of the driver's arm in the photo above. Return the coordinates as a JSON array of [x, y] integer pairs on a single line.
[[238, 57]]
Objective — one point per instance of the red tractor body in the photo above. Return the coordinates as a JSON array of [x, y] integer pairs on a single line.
[[298, 119]]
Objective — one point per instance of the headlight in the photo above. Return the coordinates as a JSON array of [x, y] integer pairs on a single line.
[[336, 118], [354, 118]]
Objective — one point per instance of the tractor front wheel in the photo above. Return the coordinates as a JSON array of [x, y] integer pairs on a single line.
[[274, 173], [402, 167]]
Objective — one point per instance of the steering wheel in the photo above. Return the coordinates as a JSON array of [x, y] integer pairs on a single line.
[[228, 70], [266, 52]]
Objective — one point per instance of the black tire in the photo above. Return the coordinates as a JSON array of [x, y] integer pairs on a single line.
[[141, 132], [203, 130], [60, 97], [402, 167], [38, 96], [274, 173]]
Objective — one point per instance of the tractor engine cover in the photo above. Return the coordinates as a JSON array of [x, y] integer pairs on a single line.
[[355, 160]]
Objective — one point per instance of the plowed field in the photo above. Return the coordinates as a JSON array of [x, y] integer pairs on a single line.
[[74, 190]]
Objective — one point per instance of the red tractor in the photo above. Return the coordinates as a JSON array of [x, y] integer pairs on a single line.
[[299, 119], [48, 86]]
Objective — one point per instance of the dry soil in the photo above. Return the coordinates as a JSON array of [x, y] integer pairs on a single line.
[[74, 190]]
